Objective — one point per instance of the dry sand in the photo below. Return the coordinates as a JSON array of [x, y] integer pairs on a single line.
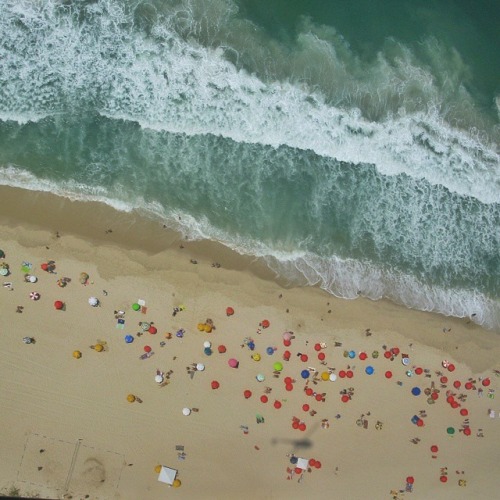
[[96, 443]]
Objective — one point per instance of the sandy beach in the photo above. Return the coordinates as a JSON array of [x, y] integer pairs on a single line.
[[68, 430]]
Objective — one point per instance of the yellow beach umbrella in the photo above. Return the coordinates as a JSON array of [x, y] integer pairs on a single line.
[[207, 328], [99, 347], [256, 357], [176, 483], [77, 354], [325, 376], [201, 327], [158, 469], [131, 399]]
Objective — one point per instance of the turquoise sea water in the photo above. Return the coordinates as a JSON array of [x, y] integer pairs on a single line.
[[352, 146]]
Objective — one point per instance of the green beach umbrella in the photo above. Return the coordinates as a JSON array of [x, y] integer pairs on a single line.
[[450, 431], [278, 366], [136, 307]]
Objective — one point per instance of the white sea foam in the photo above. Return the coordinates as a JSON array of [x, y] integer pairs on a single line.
[[166, 83]]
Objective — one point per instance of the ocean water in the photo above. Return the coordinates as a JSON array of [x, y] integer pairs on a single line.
[[351, 145]]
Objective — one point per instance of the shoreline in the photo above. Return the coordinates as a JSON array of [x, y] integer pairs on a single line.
[[53, 401]]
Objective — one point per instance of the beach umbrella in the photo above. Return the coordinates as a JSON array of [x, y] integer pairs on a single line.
[[136, 307], [395, 351], [304, 357], [305, 374], [467, 431], [152, 330], [418, 371], [342, 374], [32, 279], [362, 356], [208, 328], [317, 465], [468, 385], [260, 377], [130, 398], [286, 355], [158, 469], [251, 345], [434, 395], [349, 374], [256, 356], [265, 323], [99, 348], [420, 423], [351, 354], [287, 336], [129, 339], [410, 479], [305, 407], [287, 343], [454, 405], [34, 295], [309, 391], [443, 380], [450, 431], [58, 304], [416, 391], [44, 266], [270, 351], [333, 377], [434, 448], [289, 387], [77, 354], [387, 354], [207, 343], [312, 462], [278, 366], [321, 356], [214, 384], [222, 349], [325, 376], [302, 427], [388, 374], [277, 404], [443, 479], [147, 348], [247, 394], [464, 412], [158, 379], [186, 411], [294, 460], [264, 398], [177, 483], [319, 397], [457, 384], [93, 301], [486, 382], [345, 398], [233, 363], [200, 367], [405, 361], [288, 380], [207, 351], [415, 419], [369, 370], [298, 470], [317, 347], [229, 311], [144, 326], [200, 327], [451, 367], [450, 399]]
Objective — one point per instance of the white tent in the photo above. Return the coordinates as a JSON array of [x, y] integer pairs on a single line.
[[167, 475], [303, 463]]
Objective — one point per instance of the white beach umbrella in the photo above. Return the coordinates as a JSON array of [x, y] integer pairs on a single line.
[[159, 379], [207, 343], [93, 301], [186, 411], [333, 377], [33, 279], [200, 367]]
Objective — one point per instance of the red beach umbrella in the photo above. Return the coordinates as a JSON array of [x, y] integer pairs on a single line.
[[58, 304], [434, 396], [345, 398], [288, 380], [349, 373], [305, 407], [467, 431], [443, 479], [298, 470], [395, 351], [317, 347], [387, 354], [152, 329], [286, 355], [341, 373], [457, 384], [451, 367], [388, 374], [450, 399], [304, 357], [247, 394], [468, 385], [287, 343], [420, 422], [221, 349], [147, 348], [443, 380], [321, 356], [486, 382], [264, 398], [229, 311], [319, 397], [419, 371], [312, 462], [265, 323], [44, 266], [215, 384], [317, 464], [454, 405], [289, 387], [362, 356], [309, 391], [295, 424], [410, 479], [464, 412], [302, 427], [434, 448], [277, 404]]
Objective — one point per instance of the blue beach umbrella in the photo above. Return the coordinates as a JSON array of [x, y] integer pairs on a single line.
[[416, 391], [129, 339], [270, 351], [207, 351], [352, 354], [305, 373], [294, 460], [369, 370], [251, 346]]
